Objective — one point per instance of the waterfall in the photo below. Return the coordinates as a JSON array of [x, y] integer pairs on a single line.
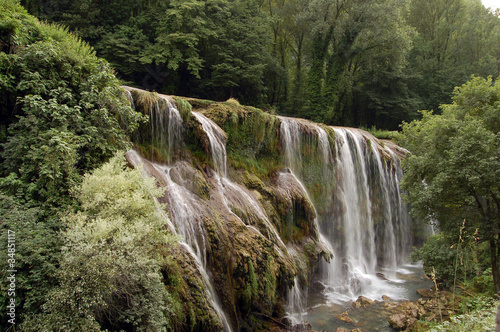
[[217, 140], [349, 177], [185, 213], [165, 121], [355, 245], [291, 139], [296, 306], [231, 193], [363, 217]]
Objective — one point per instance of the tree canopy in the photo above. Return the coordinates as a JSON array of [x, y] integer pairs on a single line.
[[341, 62], [452, 174], [62, 109]]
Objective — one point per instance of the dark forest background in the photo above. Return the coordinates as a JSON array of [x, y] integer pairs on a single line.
[[342, 62]]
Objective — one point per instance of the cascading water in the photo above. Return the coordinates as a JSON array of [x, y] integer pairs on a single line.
[[363, 217], [231, 193], [292, 142], [217, 140], [166, 124], [185, 213], [166, 135], [350, 179], [355, 245]]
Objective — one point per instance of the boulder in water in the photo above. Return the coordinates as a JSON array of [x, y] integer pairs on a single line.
[[425, 292], [302, 327], [345, 317], [381, 276], [341, 329], [398, 322], [363, 302]]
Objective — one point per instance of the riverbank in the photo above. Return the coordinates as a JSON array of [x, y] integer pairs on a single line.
[[414, 305]]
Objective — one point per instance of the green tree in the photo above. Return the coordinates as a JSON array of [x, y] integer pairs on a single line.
[[109, 274], [455, 39], [452, 173], [37, 253], [64, 109], [236, 58]]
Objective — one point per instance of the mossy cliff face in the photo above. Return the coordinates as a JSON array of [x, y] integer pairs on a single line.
[[254, 229], [250, 267]]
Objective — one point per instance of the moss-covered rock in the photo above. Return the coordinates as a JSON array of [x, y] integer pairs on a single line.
[[192, 179], [184, 281]]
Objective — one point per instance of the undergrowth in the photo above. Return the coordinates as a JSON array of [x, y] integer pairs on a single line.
[[382, 134], [479, 315]]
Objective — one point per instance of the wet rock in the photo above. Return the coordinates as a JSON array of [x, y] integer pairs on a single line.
[[361, 324], [381, 276], [286, 321], [425, 292], [317, 287], [398, 322], [363, 302], [386, 298], [341, 329], [189, 177], [356, 330], [345, 317], [412, 309], [302, 327]]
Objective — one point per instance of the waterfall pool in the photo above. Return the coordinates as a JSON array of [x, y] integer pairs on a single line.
[[323, 309]]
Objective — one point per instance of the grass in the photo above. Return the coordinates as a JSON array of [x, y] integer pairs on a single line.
[[382, 134]]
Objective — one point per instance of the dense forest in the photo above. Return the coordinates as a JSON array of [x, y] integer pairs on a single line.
[[91, 248], [342, 62]]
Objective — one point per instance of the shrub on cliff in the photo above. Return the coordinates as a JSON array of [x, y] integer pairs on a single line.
[[109, 274]]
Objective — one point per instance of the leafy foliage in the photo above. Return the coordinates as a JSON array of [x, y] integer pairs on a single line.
[[446, 259], [342, 62], [37, 246], [110, 267], [452, 173], [63, 107], [481, 318]]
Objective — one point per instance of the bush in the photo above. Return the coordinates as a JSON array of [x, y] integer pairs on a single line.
[[450, 260], [110, 268], [479, 315]]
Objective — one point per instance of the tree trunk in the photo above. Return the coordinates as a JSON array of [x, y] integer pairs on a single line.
[[495, 249]]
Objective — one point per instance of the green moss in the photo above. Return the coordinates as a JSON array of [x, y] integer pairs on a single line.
[[151, 152], [184, 108], [192, 310], [253, 135], [145, 100]]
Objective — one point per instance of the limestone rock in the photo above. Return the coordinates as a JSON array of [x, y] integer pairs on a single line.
[[398, 322], [345, 317], [302, 327], [425, 292], [413, 309], [363, 302]]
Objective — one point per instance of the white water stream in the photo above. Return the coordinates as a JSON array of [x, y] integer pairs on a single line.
[[369, 225]]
